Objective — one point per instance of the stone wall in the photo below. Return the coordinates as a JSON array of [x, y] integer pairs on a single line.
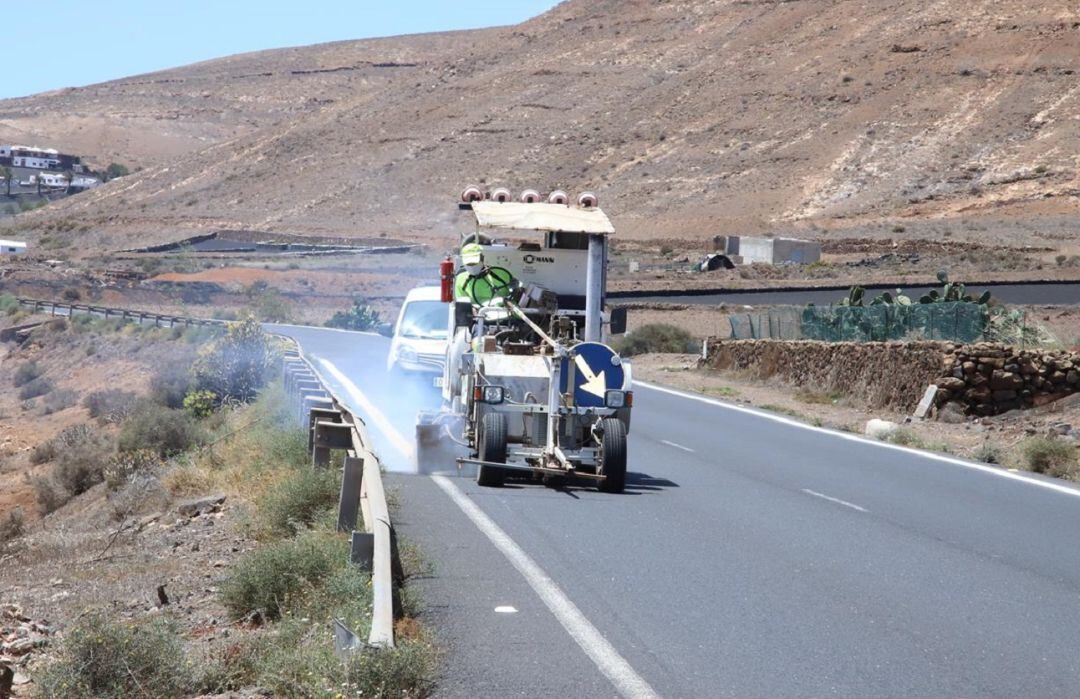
[[977, 379], [987, 379], [876, 374]]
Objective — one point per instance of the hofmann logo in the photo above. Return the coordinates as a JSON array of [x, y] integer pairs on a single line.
[[531, 259]]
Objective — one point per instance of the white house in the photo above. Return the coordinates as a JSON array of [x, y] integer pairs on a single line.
[[772, 251], [12, 247]]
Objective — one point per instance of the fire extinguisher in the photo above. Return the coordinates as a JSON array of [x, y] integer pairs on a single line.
[[446, 276]]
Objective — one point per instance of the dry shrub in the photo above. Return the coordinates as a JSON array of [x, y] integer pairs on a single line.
[[186, 481], [110, 405], [12, 526], [35, 388], [101, 657], [26, 373], [657, 337], [156, 428], [1054, 457]]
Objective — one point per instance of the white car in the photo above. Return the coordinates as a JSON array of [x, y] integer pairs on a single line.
[[419, 341]]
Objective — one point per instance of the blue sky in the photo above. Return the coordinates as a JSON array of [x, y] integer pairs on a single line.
[[64, 43]]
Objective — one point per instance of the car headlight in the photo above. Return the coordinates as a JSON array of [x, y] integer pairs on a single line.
[[618, 399], [493, 394], [406, 354]]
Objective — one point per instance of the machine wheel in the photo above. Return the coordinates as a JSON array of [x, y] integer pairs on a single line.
[[492, 448], [613, 455]]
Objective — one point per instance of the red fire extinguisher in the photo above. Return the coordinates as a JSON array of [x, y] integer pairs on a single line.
[[446, 276]]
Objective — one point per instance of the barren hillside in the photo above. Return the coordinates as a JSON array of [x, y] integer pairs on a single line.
[[689, 117]]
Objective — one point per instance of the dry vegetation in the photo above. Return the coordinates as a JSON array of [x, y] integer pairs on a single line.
[[247, 580]]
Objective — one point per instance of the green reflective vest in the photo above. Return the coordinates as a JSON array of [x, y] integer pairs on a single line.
[[495, 282]]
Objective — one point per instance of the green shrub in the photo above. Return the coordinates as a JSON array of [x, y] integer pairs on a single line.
[[294, 503], [281, 574], [237, 365], [657, 337], [38, 387], [1054, 457], [159, 429], [9, 304], [360, 317], [26, 373], [100, 657], [200, 404]]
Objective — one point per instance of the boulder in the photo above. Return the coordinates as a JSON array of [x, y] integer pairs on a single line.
[[193, 508], [952, 413], [880, 429]]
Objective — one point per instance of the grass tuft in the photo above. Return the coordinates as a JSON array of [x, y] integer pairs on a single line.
[[1048, 455]]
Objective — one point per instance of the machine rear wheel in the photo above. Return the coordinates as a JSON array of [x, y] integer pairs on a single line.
[[492, 448], [613, 455]]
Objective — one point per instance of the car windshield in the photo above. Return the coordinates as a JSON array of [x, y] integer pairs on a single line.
[[425, 320]]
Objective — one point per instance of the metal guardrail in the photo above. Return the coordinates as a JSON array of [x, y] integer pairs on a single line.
[[331, 426], [141, 317]]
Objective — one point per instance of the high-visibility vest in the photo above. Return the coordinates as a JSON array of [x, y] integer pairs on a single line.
[[495, 282]]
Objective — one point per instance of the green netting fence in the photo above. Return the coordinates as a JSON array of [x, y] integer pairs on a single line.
[[955, 321]]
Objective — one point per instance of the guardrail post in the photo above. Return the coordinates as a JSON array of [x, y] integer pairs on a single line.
[[329, 436], [362, 550], [349, 501]]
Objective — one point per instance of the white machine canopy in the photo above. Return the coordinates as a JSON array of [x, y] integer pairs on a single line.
[[556, 218]]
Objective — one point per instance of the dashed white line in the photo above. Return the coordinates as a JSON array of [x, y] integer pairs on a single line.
[[626, 680], [992, 470], [506, 609], [676, 446], [838, 501]]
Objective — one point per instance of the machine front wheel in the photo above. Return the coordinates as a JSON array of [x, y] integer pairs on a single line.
[[493, 449], [613, 455]]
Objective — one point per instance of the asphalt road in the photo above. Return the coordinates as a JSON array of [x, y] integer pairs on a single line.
[[750, 556], [1033, 294]]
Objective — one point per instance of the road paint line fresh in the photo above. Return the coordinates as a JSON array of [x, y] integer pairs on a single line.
[[676, 446], [999, 472], [600, 651], [838, 501], [506, 609], [368, 408]]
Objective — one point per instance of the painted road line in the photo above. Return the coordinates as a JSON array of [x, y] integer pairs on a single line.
[[838, 501], [999, 472], [600, 651], [677, 446], [380, 421]]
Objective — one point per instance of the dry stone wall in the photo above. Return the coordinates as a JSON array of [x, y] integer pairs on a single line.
[[978, 379], [876, 374], [987, 379]]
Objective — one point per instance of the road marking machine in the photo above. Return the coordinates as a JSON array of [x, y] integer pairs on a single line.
[[530, 388]]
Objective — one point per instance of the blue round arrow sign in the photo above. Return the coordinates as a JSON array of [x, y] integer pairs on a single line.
[[597, 369]]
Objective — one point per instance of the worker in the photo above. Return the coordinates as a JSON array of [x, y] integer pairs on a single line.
[[478, 283]]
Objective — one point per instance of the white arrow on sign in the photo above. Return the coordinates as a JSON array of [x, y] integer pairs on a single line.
[[594, 383]]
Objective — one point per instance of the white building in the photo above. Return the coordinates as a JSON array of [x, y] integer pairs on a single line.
[[772, 251], [12, 247]]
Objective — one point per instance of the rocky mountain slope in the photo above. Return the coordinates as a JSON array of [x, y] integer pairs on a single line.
[[690, 118]]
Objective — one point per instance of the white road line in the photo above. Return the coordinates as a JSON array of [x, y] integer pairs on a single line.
[[368, 408], [607, 659], [838, 501], [676, 446], [999, 472], [600, 651]]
